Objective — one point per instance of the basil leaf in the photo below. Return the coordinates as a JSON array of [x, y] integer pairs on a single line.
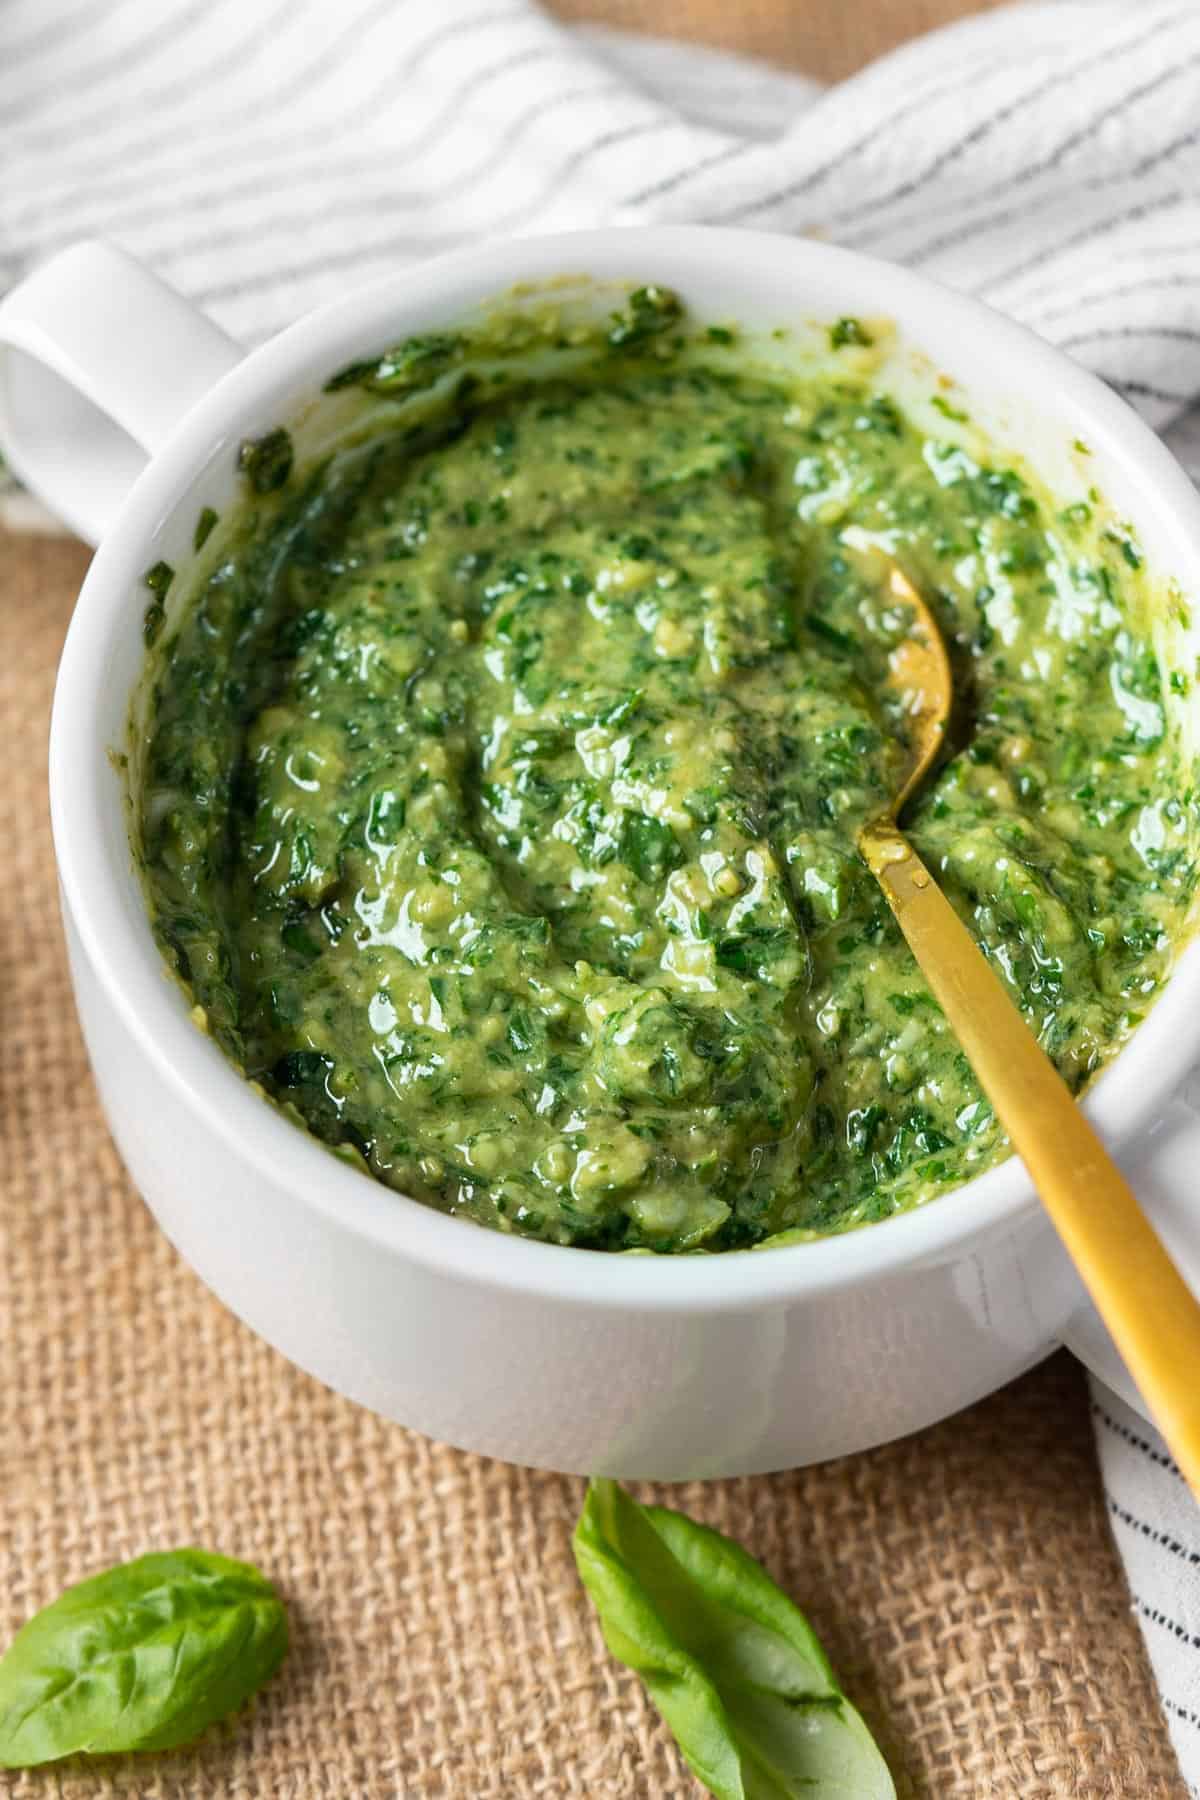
[[731, 1664], [159, 578], [267, 461], [649, 847], [848, 331], [416, 363], [651, 311], [143, 1657]]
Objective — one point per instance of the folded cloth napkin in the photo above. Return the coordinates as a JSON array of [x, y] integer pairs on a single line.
[[266, 154]]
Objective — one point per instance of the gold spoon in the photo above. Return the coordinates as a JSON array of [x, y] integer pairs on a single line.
[[1151, 1313]]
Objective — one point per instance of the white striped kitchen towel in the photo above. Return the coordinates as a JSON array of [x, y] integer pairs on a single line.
[[264, 154]]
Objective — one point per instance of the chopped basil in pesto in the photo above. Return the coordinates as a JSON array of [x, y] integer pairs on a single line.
[[266, 462], [501, 784], [158, 579]]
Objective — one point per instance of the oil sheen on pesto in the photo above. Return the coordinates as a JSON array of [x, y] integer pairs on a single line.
[[502, 780]]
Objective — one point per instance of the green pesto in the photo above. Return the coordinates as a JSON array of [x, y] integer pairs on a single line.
[[158, 579], [266, 462], [501, 786]]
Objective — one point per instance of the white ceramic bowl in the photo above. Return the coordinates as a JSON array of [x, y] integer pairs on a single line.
[[124, 409]]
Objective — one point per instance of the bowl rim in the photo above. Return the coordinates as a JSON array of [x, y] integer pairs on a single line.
[[1128, 1096]]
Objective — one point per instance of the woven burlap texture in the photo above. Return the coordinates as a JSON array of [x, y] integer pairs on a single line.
[[964, 1580], [827, 39]]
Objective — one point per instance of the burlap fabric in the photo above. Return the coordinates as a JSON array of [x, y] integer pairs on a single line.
[[964, 1580], [827, 39]]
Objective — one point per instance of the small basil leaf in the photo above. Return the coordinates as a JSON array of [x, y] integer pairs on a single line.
[[731, 1664], [649, 847], [267, 461], [143, 1657], [848, 331], [153, 620], [651, 310], [159, 578]]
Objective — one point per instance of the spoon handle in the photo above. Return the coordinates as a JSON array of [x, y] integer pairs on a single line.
[[1152, 1314]]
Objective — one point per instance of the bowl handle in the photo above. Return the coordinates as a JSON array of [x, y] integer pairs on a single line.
[[1166, 1179], [99, 359]]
